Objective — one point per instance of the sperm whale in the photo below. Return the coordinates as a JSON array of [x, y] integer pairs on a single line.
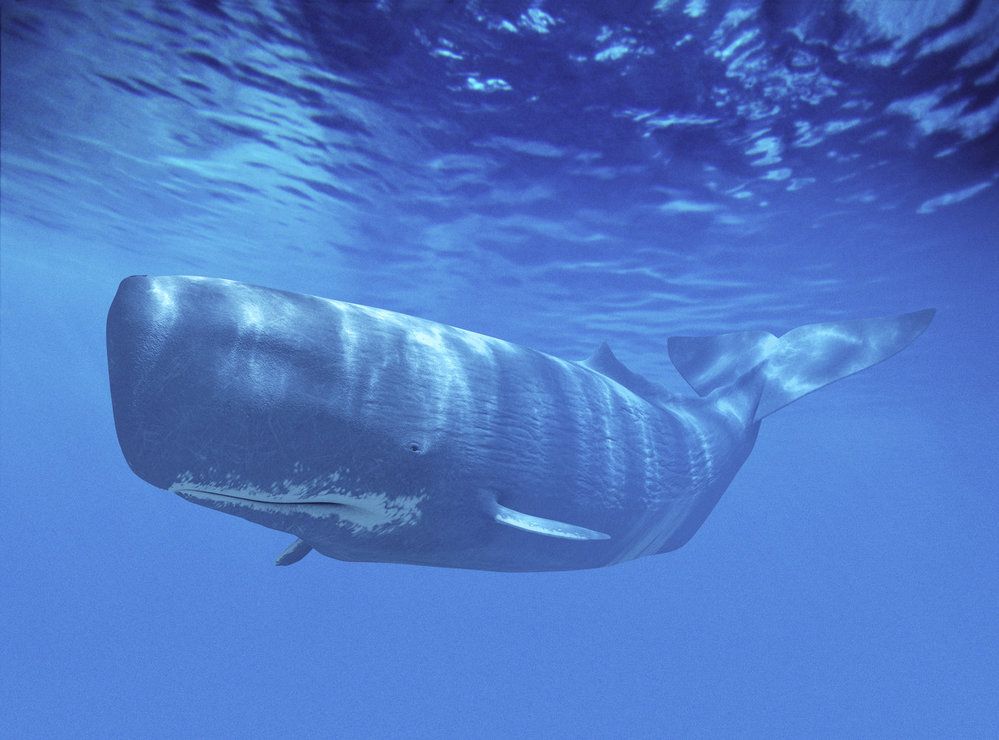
[[370, 435]]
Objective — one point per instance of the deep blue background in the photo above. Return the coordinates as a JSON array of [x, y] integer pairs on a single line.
[[554, 174]]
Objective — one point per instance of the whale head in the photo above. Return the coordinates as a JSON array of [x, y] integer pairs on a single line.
[[304, 415]]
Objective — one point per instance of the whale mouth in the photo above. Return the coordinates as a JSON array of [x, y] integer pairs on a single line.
[[359, 512], [313, 504]]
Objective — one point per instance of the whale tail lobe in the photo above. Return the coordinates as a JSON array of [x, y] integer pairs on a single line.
[[782, 369]]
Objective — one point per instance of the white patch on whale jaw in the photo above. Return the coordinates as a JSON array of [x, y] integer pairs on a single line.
[[367, 512]]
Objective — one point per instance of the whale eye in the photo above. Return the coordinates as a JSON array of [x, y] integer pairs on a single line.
[[414, 446]]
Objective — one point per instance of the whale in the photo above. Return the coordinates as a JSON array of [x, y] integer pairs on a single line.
[[374, 436]]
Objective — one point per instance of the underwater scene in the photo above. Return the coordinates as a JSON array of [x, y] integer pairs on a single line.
[[616, 369]]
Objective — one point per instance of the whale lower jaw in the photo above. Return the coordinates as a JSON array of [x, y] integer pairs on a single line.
[[359, 512], [319, 507]]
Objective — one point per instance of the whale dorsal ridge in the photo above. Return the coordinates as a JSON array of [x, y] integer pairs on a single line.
[[604, 362]]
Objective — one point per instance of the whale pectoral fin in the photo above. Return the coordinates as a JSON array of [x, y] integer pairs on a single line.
[[295, 552], [547, 527]]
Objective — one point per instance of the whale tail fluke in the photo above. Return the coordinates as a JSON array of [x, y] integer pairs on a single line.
[[788, 367]]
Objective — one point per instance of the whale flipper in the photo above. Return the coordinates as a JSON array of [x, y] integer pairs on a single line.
[[295, 552], [797, 363], [547, 527]]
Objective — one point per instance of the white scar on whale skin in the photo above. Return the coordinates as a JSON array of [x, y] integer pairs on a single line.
[[367, 512]]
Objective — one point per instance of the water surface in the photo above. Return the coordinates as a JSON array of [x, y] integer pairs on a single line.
[[556, 174]]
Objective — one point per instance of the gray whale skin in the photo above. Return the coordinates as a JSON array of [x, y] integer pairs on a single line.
[[370, 435]]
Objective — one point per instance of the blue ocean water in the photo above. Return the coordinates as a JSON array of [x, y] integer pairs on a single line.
[[555, 174]]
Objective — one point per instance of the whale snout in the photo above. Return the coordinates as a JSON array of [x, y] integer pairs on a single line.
[[158, 380], [214, 380], [135, 338]]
